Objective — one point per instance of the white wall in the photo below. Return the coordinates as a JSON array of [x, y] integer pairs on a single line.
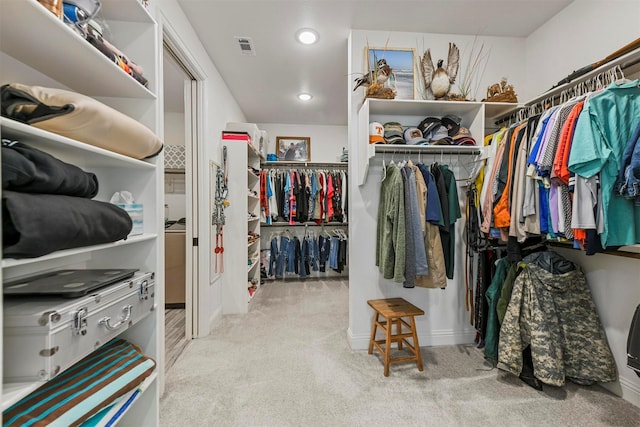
[[582, 33], [219, 108], [446, 320], [174, 128], [326, 141]]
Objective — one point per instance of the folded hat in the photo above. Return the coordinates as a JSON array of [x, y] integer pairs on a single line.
[[442, 141], [395, 139], [466, 140], [392, 129], [428, 125], [452, 123], [414, 136], [462, 133], [376, 133], [438, 133]]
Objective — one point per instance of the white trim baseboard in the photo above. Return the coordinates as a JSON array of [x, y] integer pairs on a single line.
[[630, 391], [432, 339]]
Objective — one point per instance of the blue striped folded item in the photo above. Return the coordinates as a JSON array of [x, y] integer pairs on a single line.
[[84, 389]]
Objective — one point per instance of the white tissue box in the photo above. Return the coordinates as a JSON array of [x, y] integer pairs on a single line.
[[135, 212]]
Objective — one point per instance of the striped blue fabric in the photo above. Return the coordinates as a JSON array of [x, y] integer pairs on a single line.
[[84, 389]]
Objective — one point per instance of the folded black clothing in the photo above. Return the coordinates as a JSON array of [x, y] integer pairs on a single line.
[[29, 170], [34, 225]]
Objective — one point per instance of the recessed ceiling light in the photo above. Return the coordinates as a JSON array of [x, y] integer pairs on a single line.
[[305, 96], [307, 36]]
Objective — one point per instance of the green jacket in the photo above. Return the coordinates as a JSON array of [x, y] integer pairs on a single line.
[[390, 232], [493, 325]]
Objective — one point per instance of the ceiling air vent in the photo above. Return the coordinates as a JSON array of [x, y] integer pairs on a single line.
[[246, 46]]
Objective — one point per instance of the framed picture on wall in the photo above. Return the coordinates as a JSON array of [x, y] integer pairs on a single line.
[[293, 148], [402, 63]]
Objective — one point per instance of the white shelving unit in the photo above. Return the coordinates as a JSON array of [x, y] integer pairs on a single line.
[[53, 55], [241, 257], [442, 325], [411, 113]]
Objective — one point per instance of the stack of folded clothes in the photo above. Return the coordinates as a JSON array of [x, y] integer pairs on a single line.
[[47, 206]]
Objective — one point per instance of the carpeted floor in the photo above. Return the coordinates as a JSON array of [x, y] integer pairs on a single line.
[[288, 363]]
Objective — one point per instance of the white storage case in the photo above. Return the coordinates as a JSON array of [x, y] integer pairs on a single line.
[[43, 336]]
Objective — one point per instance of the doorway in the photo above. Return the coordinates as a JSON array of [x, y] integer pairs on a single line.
[[179, 209]]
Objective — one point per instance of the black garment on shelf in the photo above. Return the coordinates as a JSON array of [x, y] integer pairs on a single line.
[[29, 170], [34, 225]]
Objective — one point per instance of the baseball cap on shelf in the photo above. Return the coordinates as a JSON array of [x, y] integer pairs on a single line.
[[463, 137], [376, 133], [395, 140], [393, 133], [452, 123], [442, 141], [428, 125], [413, 136], [437, 133], [392, 129]]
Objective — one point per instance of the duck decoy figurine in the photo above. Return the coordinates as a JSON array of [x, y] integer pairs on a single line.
[[380, 75], [438, 81]]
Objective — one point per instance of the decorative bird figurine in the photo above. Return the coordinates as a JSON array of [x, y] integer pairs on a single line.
[[380, 75], [438, 81]]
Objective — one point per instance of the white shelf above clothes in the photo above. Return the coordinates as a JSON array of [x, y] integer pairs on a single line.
[[411, 113]]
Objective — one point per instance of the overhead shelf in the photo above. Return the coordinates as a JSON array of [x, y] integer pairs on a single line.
[[62, 46]]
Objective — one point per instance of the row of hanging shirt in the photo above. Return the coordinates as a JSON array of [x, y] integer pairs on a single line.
[[290, 254], [556, 173], [415, 236], [301, 195]]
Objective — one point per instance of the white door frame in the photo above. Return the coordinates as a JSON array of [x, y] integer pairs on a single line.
[[194, 123]]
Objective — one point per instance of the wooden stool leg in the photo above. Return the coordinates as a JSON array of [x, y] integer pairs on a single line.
[[416, 345], [387, 349], [399, 332], [374, 329]]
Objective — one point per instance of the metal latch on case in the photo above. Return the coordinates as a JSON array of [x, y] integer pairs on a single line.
[[80, 322], [143, 291]]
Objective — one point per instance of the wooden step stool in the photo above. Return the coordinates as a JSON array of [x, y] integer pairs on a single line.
[[393, 310]]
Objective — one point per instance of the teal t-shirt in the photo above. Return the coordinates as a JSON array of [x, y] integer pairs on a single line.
[[602, 132]]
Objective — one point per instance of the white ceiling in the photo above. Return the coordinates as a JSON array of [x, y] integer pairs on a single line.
[[266, 85]]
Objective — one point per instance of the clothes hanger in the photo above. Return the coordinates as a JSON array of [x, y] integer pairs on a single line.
[[384, 167]]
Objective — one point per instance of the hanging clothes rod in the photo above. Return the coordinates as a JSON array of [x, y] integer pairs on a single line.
[[290, 165], [590, 79], [428, 149]]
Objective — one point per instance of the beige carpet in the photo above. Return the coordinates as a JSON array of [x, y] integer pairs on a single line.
[[288, 363]]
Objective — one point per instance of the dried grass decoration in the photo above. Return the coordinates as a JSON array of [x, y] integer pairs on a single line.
[[377, 90]]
